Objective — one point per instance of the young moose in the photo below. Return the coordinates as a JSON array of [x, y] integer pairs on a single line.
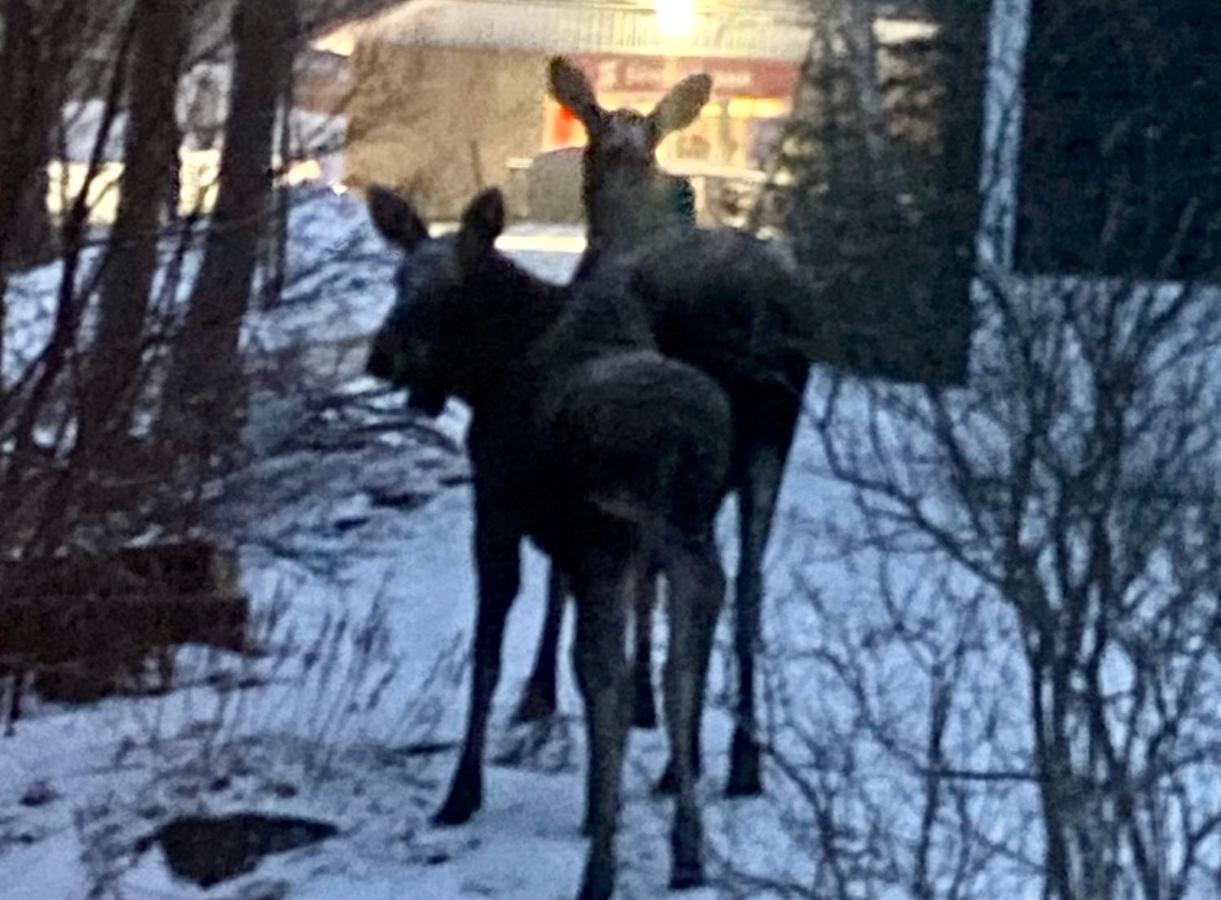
[[636, 200], [584, 438], [720, 300]]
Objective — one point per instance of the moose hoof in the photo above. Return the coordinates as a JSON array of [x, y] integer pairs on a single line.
[[458, 808], [598, 886], [744, 778], [687, 877], [537, 703], [667, 784], [743, 782], [644, 710]]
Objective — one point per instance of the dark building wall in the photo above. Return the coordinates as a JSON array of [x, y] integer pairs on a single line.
[[1120, 168]]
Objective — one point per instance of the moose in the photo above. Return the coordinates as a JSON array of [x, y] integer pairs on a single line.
[[735, 308], [637, 200], [584, 438]]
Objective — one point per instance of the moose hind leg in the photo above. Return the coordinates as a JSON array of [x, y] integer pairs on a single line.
[[16, 685], [756, 508], [697, 590], [538, 698], [602, 673], [706, 571], [644, 708]]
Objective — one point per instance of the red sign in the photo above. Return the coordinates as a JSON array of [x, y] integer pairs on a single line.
[[655, 74]]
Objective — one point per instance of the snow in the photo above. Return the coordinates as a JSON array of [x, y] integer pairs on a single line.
[[83, 120], [338, 285], [366, 658], [365, 611], [409, 575]]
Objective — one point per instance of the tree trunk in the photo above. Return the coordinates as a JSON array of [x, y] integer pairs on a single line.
[[201, 395], [34, 58], [149, 175], [23, 106]]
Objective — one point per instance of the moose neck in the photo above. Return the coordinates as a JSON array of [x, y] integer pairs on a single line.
[[623, 203], [517, 309]]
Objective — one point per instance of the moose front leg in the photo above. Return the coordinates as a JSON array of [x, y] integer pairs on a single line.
[[498, 562]]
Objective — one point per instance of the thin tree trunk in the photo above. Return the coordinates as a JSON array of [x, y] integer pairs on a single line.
[[204, 386], [277, 240], [149, 176], [58, 353], [34, 59]]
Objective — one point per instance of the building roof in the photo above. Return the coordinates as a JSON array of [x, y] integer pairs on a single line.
[[213, 19], [762, 29]]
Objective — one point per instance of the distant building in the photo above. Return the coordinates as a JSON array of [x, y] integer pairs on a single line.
[[442, 97], [446, 94]]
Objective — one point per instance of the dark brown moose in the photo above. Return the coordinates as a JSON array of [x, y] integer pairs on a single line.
[[730, 305], [611, 457]]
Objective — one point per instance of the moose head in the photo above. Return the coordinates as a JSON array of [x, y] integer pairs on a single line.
[[624, 136], [621, 184], [430, 341]]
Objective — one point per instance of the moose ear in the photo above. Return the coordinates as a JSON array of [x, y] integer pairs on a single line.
[[482, 221], [681, 105], [394, 218], [572, 90]]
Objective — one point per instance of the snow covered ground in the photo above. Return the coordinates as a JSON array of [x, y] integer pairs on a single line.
[[358, 563], [356, 555], [354, 528], [353, 525]]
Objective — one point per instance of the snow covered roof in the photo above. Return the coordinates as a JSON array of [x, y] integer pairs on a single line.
[[771, 29]]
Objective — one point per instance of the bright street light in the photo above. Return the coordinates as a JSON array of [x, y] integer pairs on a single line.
[[675, 18]]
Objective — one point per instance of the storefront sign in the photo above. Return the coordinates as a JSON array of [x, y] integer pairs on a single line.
[[655, 74]]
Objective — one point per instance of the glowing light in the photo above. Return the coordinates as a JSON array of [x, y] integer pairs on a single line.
[[675, 18], [303, 171], [342, 41]]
